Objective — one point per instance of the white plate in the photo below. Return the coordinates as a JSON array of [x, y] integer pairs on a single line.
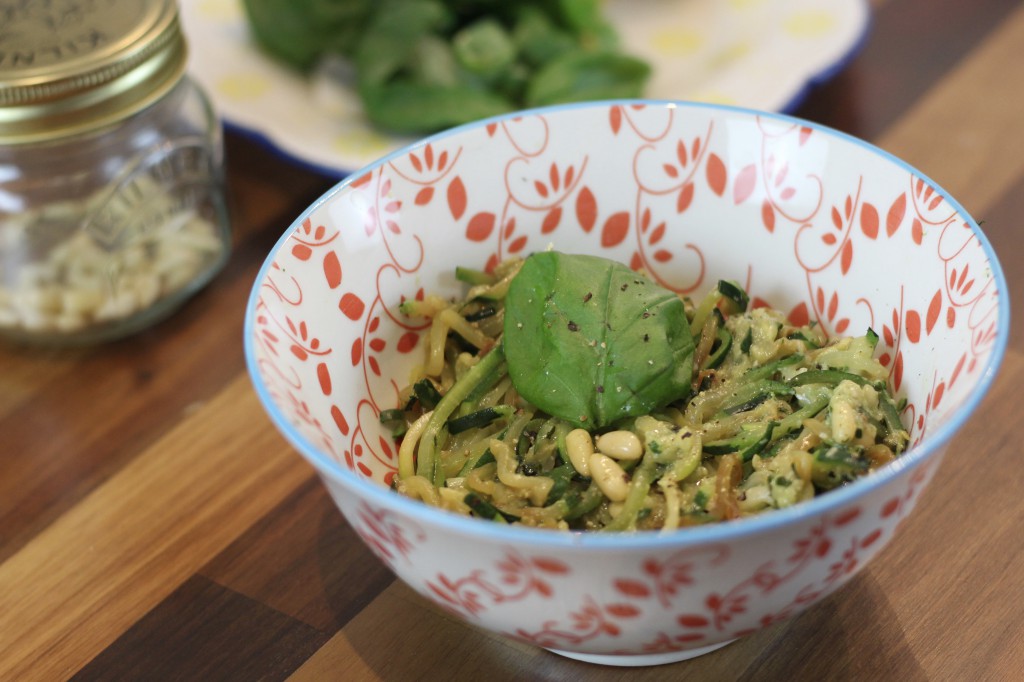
[[762, 54]]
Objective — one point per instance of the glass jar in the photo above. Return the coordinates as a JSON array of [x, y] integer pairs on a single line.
[[112, 207]]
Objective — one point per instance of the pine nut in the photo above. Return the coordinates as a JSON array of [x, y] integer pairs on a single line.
[[69, 288], [69, 321], [37, 321], [579, 447], [82, 301], [624, 445], [147, 288], [609, 477]]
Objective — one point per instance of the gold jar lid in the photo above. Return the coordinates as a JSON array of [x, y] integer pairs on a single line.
[[70, 66]]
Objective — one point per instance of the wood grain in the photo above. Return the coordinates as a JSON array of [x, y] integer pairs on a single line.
[[119, 551], [961, 133], [154, 525], [911, 47]]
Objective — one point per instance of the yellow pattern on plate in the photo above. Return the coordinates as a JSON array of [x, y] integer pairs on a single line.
[[361, 141], [810, 23], [244, 86], [678, 41], [219, 10]]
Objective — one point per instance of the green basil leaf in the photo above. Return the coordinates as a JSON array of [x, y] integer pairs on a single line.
[[403, 107], [537, 37], [579, 76], [299, 32], [426, 65], [391, 36], [590, 341], [484, 47]]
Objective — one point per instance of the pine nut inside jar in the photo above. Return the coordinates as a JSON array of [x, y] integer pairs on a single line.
[[112, 209]]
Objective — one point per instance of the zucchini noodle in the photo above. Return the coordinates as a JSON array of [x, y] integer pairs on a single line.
[[776, 415]]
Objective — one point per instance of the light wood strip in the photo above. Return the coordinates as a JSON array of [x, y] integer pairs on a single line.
[[967, 493], [956, 134], [109, 560]]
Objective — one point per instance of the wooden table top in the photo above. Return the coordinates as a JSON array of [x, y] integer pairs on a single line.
[[154, 525]]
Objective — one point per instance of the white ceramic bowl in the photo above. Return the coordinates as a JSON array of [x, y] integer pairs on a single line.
[[818, 224]]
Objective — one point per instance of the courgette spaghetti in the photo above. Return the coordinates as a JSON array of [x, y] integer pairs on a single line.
[[773, 415]]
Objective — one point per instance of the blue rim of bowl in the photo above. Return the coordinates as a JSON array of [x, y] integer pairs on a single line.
[[711, 533]]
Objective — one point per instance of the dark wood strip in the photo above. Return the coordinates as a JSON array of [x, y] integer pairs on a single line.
[[399, 636], [204, 631], [907, 51], [303, 559]]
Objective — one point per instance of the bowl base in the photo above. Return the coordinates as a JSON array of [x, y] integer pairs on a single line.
[[637, 660]]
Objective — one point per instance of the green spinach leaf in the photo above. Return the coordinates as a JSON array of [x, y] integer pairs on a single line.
[[589, 340], [392, 36], [579, 76], [425, 65], [388, 105], [299, 32]]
